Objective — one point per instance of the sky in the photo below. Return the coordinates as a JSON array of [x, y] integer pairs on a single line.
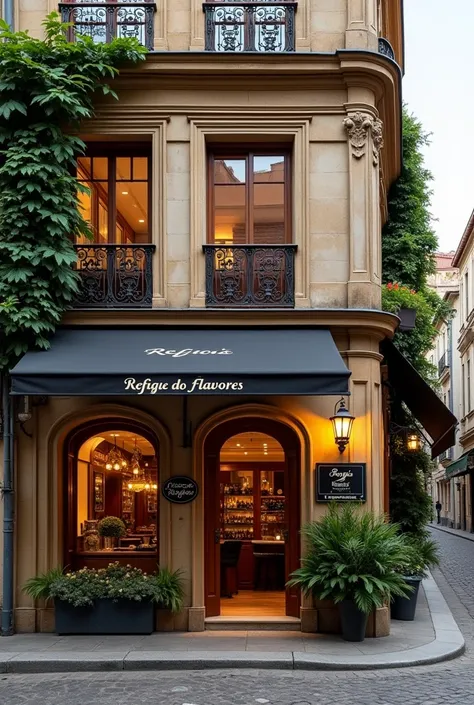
[[439, 89]]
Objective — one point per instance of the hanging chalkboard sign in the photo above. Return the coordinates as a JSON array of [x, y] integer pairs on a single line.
[[180, 489], [340, 482]]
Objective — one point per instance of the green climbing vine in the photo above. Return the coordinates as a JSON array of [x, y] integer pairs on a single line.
[[47, 87]]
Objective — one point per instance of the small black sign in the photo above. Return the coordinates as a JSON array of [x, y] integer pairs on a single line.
[[341, 482], [180, 489]]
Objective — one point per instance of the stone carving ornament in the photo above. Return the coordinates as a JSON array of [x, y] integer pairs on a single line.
[[358, 126]]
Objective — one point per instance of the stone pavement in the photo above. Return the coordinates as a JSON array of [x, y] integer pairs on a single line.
[[432, 637], [455, 532], [449, 683]]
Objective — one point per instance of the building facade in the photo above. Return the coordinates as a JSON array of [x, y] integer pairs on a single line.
[[230, 297], [445, 358]]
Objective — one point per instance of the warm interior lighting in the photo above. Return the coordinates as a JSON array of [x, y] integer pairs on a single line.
[[124, 193], [413, 441], [342, 425]]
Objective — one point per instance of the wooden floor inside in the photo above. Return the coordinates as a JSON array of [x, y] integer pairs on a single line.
[[253, 603]]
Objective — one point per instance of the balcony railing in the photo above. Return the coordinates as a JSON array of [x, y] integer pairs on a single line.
[[258, 276], [446, 455], [250, 26], [386, 48], [104, 20], [443, 363], [114, 276]]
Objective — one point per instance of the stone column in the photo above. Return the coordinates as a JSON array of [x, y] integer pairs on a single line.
[[362, 30], [364, 131]]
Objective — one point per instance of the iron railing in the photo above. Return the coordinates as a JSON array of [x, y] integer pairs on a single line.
[[258, 276], [104, 20], [443, 363], [114, 276], [446, 455], [250, 26], [386, 48]]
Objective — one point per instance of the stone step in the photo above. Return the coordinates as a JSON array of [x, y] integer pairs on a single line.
[[276, 624]]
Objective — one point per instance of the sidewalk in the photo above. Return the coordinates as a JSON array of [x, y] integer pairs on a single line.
[[432, 637], [455, 532]]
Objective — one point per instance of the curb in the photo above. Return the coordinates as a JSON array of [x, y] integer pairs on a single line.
[[454, 532], [447, 644]]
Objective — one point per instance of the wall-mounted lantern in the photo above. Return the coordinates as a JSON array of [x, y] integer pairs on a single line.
[[413, 442], [342, 425]]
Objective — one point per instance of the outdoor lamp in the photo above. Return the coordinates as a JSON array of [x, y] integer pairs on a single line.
[[413, 441], [342, 425]]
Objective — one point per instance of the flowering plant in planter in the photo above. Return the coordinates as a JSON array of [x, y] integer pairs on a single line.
[[118, 599], [116, 582]]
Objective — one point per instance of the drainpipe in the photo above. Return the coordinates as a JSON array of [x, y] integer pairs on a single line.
[[8, 509], [9, 13]]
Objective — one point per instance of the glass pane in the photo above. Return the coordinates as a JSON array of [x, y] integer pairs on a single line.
[[269, 214], [132, 211], [229, 171], [272, 505], [103, 222], [123, 169], [269, 169], [140, 168], [100, 168], [229, 215], [84, 169]]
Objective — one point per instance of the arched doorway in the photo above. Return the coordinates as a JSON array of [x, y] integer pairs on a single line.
[[251, 468], [111, 469]]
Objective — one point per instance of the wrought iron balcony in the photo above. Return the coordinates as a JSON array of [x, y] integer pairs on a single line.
[[386, 48], [258, 276], [443, 363], [104, 20], [446, 455], [114, 276], [250, 26]]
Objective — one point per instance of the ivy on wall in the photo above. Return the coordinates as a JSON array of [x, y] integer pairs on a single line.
[[47, 87], [408, 247]]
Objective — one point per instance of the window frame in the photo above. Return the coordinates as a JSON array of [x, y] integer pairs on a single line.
[[249, 152], [113, 151]]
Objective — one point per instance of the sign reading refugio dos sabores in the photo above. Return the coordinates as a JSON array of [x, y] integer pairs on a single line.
[[341, 482], [180, 489]]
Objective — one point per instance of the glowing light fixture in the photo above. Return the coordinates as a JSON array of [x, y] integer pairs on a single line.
[[413, 442], [342, 422], [114, 458]]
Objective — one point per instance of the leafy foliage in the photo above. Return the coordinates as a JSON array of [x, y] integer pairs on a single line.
[[46, 89], [408, 240], [116, 582], [417, 343], [408, 247], [352, 555], [39, 587], [422, 554], [112, 527]]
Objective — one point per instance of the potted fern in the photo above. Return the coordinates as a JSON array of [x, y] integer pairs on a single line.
[[118, 599], [422, 553], [352, 556]]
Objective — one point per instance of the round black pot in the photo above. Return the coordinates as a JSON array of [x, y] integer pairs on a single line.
[[404, 608], [353, 621]]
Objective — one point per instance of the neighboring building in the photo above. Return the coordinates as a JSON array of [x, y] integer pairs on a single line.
[[230, 297], [445, 358]]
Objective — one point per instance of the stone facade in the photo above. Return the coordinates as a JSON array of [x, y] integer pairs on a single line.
[[339, 114]]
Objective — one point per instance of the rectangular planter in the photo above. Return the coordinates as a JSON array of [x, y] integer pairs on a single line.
[[105, 617]]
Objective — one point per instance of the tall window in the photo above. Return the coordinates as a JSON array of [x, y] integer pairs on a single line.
[[463, 382], [466, 292], [468, 386], [117, 205], [249, 199]]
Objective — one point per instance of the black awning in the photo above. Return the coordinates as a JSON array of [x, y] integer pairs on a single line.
[[149, 361], [423, 402]]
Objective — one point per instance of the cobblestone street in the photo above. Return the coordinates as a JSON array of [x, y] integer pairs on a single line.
[[444, 684]]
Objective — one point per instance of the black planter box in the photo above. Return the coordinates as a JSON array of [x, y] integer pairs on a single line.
[[404, 608], [105, 617]]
